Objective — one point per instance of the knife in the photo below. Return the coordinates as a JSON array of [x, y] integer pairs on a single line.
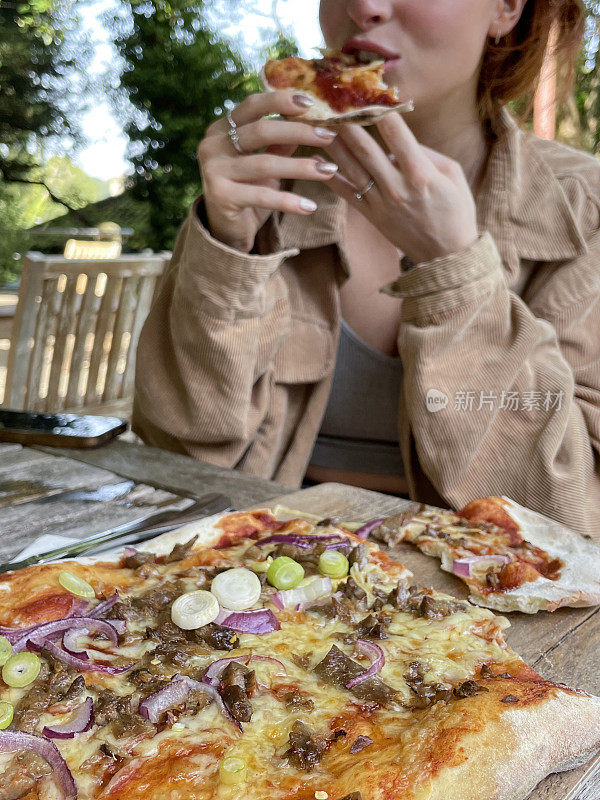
[[131, 532]]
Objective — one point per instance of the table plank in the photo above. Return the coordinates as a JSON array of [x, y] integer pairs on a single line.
[[106, 499], [175, 472], [563, 646], [28, 474]]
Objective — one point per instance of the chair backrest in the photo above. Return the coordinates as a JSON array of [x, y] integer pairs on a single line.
[[76, 330]]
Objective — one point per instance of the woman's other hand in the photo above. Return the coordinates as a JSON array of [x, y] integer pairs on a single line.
[[420, 201], [241, 190]]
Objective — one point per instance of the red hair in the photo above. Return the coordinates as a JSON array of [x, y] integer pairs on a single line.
[[510, 70]]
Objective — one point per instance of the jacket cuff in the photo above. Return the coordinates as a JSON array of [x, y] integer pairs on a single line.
[[449, 282], [226, 277]]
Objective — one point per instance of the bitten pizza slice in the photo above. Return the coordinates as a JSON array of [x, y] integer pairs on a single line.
[[342, 87], [511, 558]]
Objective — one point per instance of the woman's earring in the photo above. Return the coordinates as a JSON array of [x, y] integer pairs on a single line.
[[497, 39]]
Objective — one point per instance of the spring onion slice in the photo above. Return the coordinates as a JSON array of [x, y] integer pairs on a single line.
[[194, 609], [260, 566], [236, 589], [315, 589], [233, 770], [21, 669], [76, 585], [5, 650], [285, 573], [333, 564], [6, 714]]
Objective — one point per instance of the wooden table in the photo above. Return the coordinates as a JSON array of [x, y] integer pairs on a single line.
[[123, 481]]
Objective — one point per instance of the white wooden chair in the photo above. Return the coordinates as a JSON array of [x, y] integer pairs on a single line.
[[76, 330]]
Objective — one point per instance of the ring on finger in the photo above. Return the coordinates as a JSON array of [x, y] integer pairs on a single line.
[[361, 194], [234, 136]]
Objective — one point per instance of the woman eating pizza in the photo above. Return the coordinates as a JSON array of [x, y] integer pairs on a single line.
[[412, 306]]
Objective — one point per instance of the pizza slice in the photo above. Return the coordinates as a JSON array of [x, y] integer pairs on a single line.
[[343, 88], [511, 558], [272, 654]]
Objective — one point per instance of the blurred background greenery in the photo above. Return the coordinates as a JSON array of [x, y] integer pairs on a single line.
[[177, 68]]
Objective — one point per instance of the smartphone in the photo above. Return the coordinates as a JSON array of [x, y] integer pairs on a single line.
[[58, 430]]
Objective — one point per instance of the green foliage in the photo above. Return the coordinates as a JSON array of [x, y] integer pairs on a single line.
[[32, 67], [36, 81], [578, 120], [177, 74], [24, 205]]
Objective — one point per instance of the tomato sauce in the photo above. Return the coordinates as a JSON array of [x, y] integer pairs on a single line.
[[343, 96]]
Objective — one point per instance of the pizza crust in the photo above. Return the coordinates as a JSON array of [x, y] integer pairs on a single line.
[[579, 581], [577, 586], [514, 754]]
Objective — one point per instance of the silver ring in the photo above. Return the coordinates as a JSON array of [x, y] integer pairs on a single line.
[[233, 135], [360, 195]]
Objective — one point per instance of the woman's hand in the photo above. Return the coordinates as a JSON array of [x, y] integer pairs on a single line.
[[420, 201], [242, 191]]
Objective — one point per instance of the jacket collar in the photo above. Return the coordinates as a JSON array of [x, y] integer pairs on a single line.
[[521, 203]]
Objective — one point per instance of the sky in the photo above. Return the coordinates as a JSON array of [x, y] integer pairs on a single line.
[[104, 154]]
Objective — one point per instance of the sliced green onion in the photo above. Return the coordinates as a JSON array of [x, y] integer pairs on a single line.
[[285, 573], [5, 650], [21, 669], [236, 589], [76, 585], [6, 714], [333, 564], [193, 610], [260, 566], [233, 770]]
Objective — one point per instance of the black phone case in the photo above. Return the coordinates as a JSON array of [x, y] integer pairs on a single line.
[[58, 430]]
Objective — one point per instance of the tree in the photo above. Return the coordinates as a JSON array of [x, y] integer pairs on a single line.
[[578, 121], [178, 75], [36, 86], [23, 205]]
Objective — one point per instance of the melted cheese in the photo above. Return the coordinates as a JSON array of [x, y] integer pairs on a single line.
[[186, 758]]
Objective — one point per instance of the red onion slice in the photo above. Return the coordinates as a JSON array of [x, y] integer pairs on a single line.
[[299, 597], [81, 721], [270, 658], [104, 606], [463, 566], [70, 644], [172, 695], [81, 664], [46, 631], [120, 625], [12, 741], [211, 676], [78, 607], [367, 529], [345, 546], [360, 743], [258, 622], [214, 693], [302, 540], [377, 656]]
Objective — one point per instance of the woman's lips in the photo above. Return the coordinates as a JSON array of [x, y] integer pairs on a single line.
[[390, 64]]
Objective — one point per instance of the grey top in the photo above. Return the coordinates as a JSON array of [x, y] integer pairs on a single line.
[[359, 431]]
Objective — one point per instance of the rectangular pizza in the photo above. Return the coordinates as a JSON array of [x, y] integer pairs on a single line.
[[268, 654]]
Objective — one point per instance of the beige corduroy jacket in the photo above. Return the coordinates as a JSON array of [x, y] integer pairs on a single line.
[[500, 343]]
